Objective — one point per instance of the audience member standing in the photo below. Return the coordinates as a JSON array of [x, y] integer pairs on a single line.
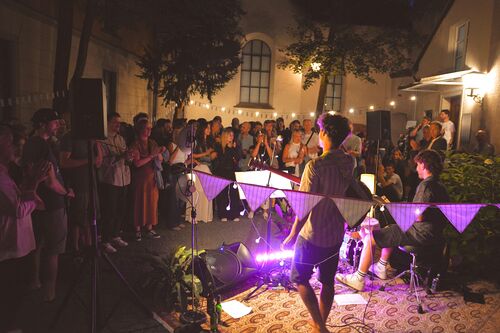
[[114, 179], [50, 225], [144, 188], [16, 230], [353, 147], [448, 128], [426, 137], [245, 142], [293, 154], [310, 141], [227, 164], [483, 146], [437, 143]]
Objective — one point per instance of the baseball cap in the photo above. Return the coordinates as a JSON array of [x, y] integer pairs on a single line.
[[45, 115]]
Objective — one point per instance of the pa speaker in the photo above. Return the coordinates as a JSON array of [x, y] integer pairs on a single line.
[[378, 125], [226, 266], [88, 116]]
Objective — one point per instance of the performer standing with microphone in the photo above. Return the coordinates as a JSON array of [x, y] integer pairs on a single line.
[[318, 237]]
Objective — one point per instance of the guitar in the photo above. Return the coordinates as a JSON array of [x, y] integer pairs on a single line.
[[256, 164]]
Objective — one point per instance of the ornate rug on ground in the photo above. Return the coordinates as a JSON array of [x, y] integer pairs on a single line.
[[393, 310]]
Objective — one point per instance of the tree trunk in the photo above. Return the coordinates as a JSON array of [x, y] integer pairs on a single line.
[[321, 96], [63, 54], [88, 23], [155, 99]]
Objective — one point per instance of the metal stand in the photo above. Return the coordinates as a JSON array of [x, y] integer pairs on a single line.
[[92, 256], [266, 278], [192, 318], [415, 279]]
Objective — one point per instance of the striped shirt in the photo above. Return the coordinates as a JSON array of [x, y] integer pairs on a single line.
[[329, 174]]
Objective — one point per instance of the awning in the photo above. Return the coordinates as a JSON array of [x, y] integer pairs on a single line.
[[435, 83]]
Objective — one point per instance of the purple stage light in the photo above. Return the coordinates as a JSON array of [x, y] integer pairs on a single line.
[[271, 256]]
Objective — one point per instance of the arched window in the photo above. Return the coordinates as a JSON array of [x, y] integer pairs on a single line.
[[255, 73]]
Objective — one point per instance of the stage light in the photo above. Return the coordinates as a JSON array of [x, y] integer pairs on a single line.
[[278, 255], [228, 207]]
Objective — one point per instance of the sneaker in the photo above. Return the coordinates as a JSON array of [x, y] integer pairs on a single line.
[[118, 241], [153, 234], [250, 215], [138, 236], [352, 280], [379, 271], [236, 220], [176, 229], [223, 219], [108, 248]]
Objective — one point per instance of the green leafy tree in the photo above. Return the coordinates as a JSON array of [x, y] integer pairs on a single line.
[[196, 49], [343, 37]]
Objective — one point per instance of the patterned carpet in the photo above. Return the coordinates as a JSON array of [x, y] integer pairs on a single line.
[[393, 310]]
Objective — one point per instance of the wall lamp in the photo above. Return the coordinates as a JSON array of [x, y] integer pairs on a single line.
[[474, 94]]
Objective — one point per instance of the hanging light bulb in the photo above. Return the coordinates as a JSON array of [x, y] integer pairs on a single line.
[[382, 208], [228, 207], [282, 263], [242, 212], [235, 186], [257, 241]]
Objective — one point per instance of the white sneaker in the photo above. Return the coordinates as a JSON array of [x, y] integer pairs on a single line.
[[223, 219], [108, 248], [379, 271], [236, 220], [352, 280], [118, 241]]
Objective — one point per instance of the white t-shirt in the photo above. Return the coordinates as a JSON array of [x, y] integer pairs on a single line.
[[314, 142], [398, 184], [180, 156], [448, 132]]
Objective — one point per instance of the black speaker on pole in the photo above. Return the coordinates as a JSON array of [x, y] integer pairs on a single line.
[[88, 115], [378, 125], [226, 266]]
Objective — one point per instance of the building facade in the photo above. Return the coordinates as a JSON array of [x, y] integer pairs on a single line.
[[459, 70], [28, 33]]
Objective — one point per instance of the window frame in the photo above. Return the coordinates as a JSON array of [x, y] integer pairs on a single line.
[[333, 83], [458, 66], [262, 101]]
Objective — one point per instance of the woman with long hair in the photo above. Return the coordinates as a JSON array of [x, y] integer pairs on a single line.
[[144, 188], [293, 154], [228, 201]]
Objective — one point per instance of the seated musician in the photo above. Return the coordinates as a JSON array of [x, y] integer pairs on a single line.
[[426, 232]]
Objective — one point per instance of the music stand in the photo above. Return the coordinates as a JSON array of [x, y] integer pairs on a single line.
[[269, 179]]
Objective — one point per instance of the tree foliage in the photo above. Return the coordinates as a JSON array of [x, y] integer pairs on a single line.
[[196, 49], [337, 35]]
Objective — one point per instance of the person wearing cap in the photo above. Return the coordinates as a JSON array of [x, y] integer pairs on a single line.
[[50, 225]]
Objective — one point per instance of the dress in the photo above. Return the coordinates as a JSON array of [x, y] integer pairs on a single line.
[[144, 190]]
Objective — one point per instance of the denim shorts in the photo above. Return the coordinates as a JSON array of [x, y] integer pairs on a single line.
[[308, 255]]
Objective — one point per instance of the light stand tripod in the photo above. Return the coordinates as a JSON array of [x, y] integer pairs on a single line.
[[92, 256], [267, 279]]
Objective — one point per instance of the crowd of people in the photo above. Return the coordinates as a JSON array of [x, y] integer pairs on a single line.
[[46, 189]]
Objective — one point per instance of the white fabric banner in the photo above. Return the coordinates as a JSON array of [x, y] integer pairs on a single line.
[[256, 195], [352, 209], [460, 215], [212, 185], [405, 214], [302, 202]]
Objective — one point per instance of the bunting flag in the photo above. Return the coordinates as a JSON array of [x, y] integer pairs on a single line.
[[352, 209], [460, 215], [405, 214], [256, 195], [211, 185], [302, 202]]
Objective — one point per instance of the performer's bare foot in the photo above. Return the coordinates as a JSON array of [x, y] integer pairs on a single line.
[[315, 328]]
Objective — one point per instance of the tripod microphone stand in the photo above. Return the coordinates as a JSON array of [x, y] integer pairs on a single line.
[[92, 256]]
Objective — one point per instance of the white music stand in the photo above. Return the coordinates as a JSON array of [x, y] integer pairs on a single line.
[[260, 178]]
